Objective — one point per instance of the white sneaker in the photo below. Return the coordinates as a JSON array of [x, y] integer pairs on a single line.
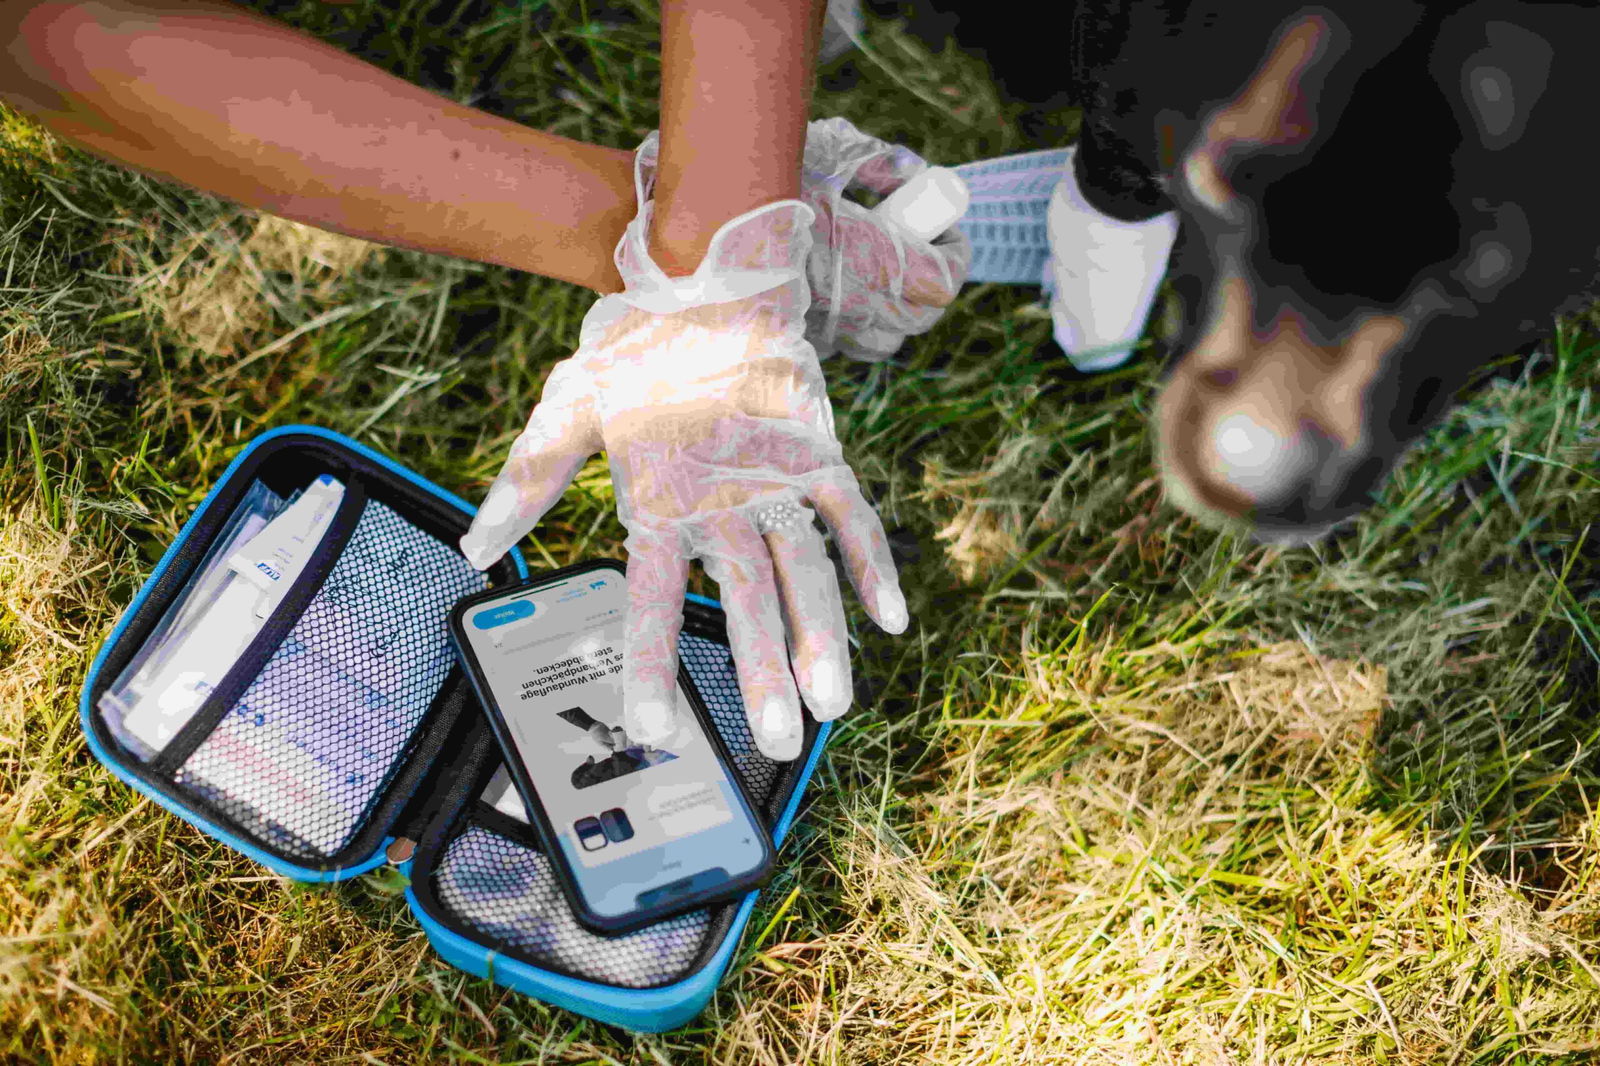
[[1103, 274]]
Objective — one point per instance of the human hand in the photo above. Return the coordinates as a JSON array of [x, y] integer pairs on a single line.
[[601, 735], [873, 283], [714, 415]]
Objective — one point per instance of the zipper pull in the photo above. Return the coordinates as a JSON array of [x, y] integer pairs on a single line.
[[399, 850]]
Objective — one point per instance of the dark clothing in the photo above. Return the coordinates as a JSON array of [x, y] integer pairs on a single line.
[[1397, 181], [1146, 73]]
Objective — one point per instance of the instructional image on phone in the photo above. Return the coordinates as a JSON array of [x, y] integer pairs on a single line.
[[617, 755], [631, 818]]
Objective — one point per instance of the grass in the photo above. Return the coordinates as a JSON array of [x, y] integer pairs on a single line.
[[1129, 791]]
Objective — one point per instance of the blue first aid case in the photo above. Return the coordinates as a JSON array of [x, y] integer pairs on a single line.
[[320, 775]]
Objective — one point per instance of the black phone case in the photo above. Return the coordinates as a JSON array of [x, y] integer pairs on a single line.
[[535, 809]]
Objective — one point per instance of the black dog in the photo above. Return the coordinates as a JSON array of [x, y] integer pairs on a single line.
[[1376, 200]]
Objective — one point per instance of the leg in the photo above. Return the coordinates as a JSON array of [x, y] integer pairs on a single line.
[[241, 106], [1119, 64], [1112, 226]]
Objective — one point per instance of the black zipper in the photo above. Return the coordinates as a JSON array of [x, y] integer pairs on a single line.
[[266, 642], [421, 778], [444, 791]]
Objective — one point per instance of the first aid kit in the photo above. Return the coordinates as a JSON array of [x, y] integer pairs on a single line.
[[284, 682]]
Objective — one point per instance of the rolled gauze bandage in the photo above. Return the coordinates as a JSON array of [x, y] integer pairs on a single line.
[[1005, 221], [929, 203]]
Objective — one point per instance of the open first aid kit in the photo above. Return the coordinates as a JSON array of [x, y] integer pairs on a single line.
[[284, 682]]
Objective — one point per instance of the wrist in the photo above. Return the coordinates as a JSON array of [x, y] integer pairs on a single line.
[[683, 222], [676, 242]]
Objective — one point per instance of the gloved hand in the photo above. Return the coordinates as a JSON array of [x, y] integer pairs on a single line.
[[712, 409], [872, 282]]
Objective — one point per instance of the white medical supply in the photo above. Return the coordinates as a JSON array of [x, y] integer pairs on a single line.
[[1005, 219], [929, 203], [1029, 224], [195, 654], [255, 508], [273, 558], [196, 666]]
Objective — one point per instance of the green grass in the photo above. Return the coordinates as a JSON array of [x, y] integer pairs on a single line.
[[1129, 791]]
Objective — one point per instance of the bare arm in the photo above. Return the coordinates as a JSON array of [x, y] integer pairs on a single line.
[[244, 107], [736, 79]]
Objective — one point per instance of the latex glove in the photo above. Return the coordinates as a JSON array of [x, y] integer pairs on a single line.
[[872, 282], [712, 409]]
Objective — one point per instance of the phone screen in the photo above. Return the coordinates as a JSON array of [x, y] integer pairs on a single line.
[[638, 824]]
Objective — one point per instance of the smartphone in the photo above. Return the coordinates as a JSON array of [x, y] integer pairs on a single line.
[[635, 833]]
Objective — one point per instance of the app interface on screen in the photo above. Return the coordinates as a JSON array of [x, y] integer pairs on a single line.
[[553, 659]]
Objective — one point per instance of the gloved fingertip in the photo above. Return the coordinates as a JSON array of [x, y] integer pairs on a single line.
[[480, 553], [829, 696], [651, 721], [892, 614], [778, 730]]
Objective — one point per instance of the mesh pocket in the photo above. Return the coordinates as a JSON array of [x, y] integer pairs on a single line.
[[303, 754], [711, 666], [507, 892]]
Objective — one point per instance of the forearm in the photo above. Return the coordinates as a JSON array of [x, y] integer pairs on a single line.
[[238, 105], [736, 79]]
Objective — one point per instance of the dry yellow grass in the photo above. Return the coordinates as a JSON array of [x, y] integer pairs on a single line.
[[214, 290], [1202, 886], [1129, 792]]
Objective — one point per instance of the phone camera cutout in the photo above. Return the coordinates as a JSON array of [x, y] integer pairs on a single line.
[[616, 824], [590, 833]]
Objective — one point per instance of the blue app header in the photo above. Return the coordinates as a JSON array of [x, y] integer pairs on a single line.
[[504, 614]]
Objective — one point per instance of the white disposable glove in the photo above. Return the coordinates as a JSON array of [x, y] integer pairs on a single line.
[[873, 283], [713, 413]]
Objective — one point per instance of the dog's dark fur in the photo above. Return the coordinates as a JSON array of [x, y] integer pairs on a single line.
[[1377, 199]]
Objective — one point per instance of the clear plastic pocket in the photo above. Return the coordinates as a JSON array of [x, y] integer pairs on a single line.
[[186, 654], [302, 755]]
